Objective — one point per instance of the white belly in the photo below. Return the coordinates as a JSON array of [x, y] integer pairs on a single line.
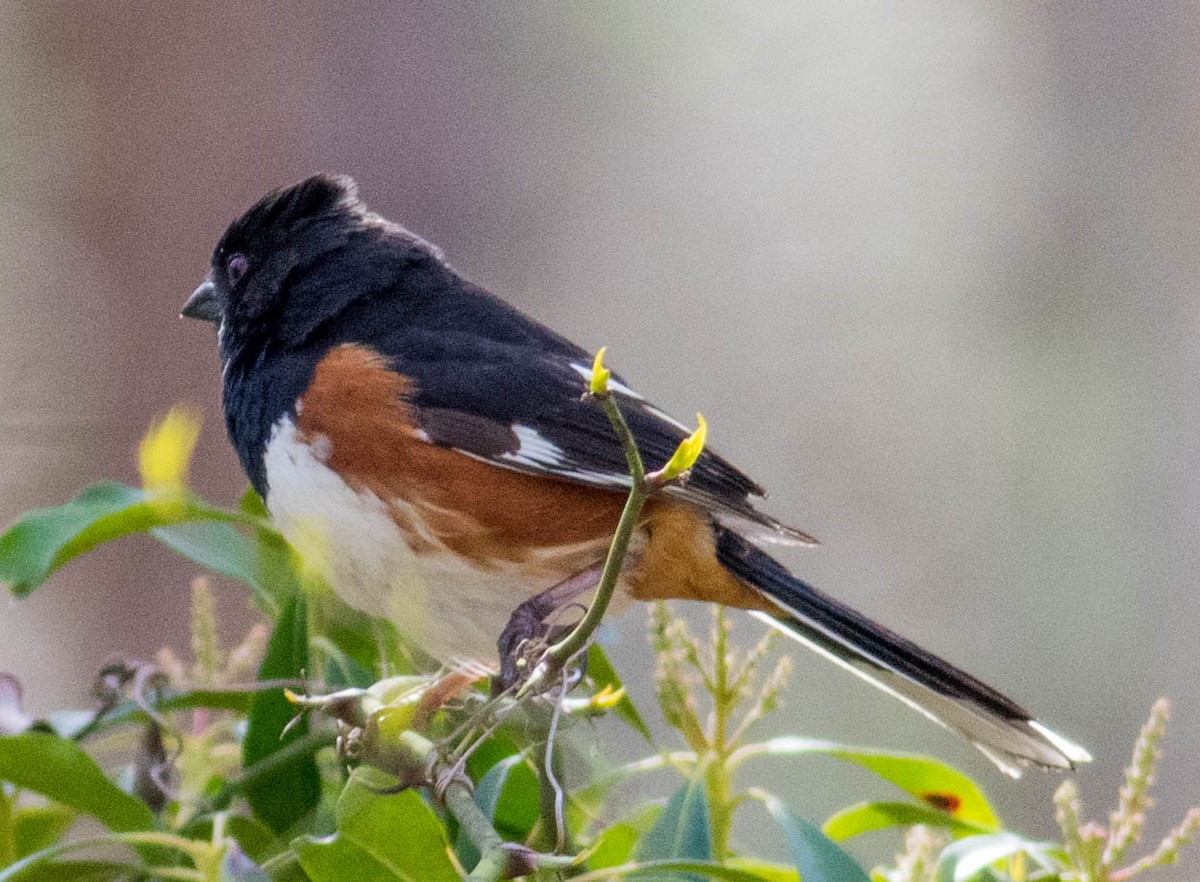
[[452, 609]]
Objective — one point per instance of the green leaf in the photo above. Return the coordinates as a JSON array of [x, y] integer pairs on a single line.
[[764, 870], [933, 782], [252, 504], [384, 838], [60, 770], [358, 646], [508, 796], [682, 831], [817, 857], [262, 560], [614, 844], [8, 834], [971, 858], [292, 790], [603, 674], [673, 871], [38, 826], [76, 871], [44, 539], [867, 816]]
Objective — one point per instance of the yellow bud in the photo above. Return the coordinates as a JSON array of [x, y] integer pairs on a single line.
[[608, 698], [600, 374], [687, 452], [166, 451]]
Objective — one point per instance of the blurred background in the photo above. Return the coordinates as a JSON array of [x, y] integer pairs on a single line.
[[929, 270]]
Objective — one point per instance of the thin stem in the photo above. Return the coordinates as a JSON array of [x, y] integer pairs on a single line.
[[269, 765], [554, 820], [561, 653], [717, 773]]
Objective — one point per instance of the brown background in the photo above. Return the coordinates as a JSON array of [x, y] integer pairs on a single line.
[[929, 269]]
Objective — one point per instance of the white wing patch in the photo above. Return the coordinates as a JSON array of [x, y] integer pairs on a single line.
[[538, 453], [585, 371], [535, 449], [667, 418]]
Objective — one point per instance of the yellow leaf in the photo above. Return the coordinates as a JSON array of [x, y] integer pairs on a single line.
[[600, 374], [165, 452], [687, 452]]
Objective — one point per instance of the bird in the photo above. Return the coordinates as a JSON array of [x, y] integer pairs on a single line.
[[437, 440]]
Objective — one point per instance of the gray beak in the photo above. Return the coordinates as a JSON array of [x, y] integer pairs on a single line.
[[203, 304]]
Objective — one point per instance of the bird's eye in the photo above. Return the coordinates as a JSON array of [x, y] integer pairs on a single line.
[[235, 268]]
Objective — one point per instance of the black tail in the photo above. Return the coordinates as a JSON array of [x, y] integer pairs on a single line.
[[1007, 734]]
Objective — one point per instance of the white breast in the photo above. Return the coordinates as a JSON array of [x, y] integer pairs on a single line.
[[449, 607]]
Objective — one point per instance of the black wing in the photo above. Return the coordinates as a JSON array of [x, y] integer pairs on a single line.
[[500, 387]]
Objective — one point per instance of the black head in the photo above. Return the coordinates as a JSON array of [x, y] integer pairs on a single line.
[[292, 261]]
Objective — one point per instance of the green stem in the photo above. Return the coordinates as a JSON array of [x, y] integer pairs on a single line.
[[269, 765], [717, 773], [493, 856], [560, 654]]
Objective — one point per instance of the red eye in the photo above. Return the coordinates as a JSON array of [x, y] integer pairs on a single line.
[[235, 268]]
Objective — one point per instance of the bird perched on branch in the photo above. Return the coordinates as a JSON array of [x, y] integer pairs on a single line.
[[437, 439]]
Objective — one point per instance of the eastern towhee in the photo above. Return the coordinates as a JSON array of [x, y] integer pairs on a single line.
[[436, 438]]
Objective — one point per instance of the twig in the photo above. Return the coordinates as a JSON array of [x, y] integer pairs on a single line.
[[415, 761]]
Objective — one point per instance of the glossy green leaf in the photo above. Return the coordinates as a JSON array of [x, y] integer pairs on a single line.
[[293, 789], [44, 539], [385, 838], [817, 857], [864, 817], [929, 780], [602, 673], [682, 831], [60, 770], [970, 859], [38, 826]]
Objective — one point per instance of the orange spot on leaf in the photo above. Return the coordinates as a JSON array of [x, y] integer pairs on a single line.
[[944, 802]]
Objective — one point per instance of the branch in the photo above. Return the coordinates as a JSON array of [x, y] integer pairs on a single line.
[[415, 760]]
